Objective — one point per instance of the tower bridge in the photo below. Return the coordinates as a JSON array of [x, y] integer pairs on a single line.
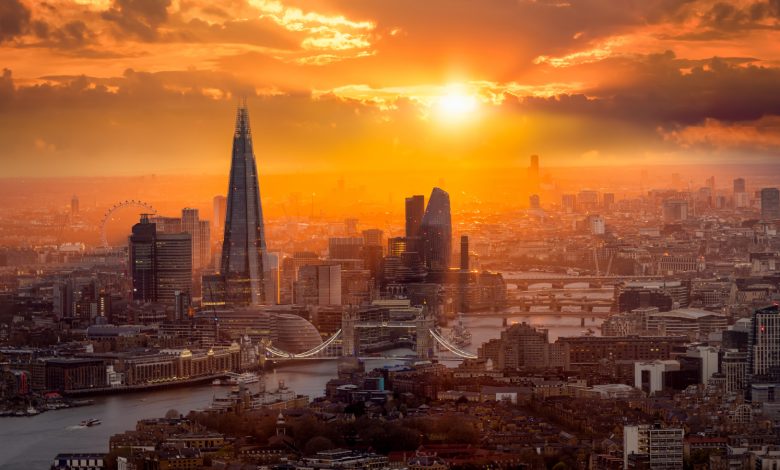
[[425, 333]]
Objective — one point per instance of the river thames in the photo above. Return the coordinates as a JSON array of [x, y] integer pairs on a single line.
[[33, 442]]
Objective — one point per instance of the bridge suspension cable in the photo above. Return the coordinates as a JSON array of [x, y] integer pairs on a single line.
[[310, 353], [451, 347]]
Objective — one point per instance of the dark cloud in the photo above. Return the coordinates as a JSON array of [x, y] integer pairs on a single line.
[[138, 18], [14, 19]]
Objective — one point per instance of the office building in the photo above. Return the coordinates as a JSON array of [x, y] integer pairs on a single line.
[[160, 263], [345, 248], [464, 253], [436, 231], [675, 210], [318, 285], [218, 217], [568, 203], [770, 204], [534, 201], [764, 345], [244, 243], [373, 237], [200, 230], [652, 447], [608, 201], [74, 206]]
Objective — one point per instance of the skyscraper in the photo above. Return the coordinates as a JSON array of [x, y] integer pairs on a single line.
[[74, 206], [220, 206], [764, 345], [740, 193], [436, 231], [770, 204], [415, 208], [244, 241], [160, 263]]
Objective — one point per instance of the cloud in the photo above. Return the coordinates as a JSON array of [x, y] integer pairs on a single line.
[[139, 18], [759, 135], [14, 19]]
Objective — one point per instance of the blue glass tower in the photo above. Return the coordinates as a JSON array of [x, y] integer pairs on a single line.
[[244, 243]]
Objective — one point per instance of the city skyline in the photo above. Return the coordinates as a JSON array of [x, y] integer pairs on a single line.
[[107, 87]]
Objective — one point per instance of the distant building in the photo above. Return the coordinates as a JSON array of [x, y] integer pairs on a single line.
[[534, 202], [319, 285], [74, 206], [520, 345], [218, 216], [675, 210], [770, 204]]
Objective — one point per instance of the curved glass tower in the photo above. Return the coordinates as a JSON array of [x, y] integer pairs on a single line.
[[244, 243], [436, 231]]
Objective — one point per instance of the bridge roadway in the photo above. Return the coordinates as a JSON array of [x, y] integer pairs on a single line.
[[559, 281], [543, 313]]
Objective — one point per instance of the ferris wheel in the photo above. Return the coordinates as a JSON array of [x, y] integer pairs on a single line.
[[121, 205]]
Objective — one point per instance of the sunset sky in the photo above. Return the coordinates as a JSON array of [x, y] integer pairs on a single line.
[[125, 87]]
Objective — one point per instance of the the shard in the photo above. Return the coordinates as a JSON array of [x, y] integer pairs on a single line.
[[244, 243], [436, 231]]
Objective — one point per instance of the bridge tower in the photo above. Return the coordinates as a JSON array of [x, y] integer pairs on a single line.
[[423, 325], [348, 318]]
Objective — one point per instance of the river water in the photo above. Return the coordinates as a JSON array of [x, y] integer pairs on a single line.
[[33, 442]]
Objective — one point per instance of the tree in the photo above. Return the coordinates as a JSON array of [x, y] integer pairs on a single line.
[[317, 444], [172, 414]]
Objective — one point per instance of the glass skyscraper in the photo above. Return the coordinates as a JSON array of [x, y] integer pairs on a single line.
[[243, 245], [436, 231]]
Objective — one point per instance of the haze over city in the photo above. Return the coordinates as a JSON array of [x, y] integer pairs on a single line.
[[366, 234]]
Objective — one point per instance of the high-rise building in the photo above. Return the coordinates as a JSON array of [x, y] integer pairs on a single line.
[[652, 447], [201, 237], [244, 243], [740, 193], [220, 207], [533, 173], [74, 206], [345, 248], [764, 345], [396, 246], [534, 201], [608, 201], [464, 253], [415, 209], [160, 263], [318, 285], [569, 203], [588, 200], [372, 237], [436, 231], [675, 210], [770, 204]]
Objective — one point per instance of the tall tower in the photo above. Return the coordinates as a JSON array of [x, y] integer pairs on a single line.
[[436, 231], [244, 243]]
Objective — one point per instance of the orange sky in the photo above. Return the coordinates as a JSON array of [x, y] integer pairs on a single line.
[[124, 87]]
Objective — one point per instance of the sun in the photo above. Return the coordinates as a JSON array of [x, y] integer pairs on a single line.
[[456, 105]]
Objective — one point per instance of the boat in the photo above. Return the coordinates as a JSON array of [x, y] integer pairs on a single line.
[[234, 379], [90, 422], [216, 382], [31, 411], [459, 335]]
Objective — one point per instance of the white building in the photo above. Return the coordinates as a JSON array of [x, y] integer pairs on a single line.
[[649, 376], [661, 448]]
